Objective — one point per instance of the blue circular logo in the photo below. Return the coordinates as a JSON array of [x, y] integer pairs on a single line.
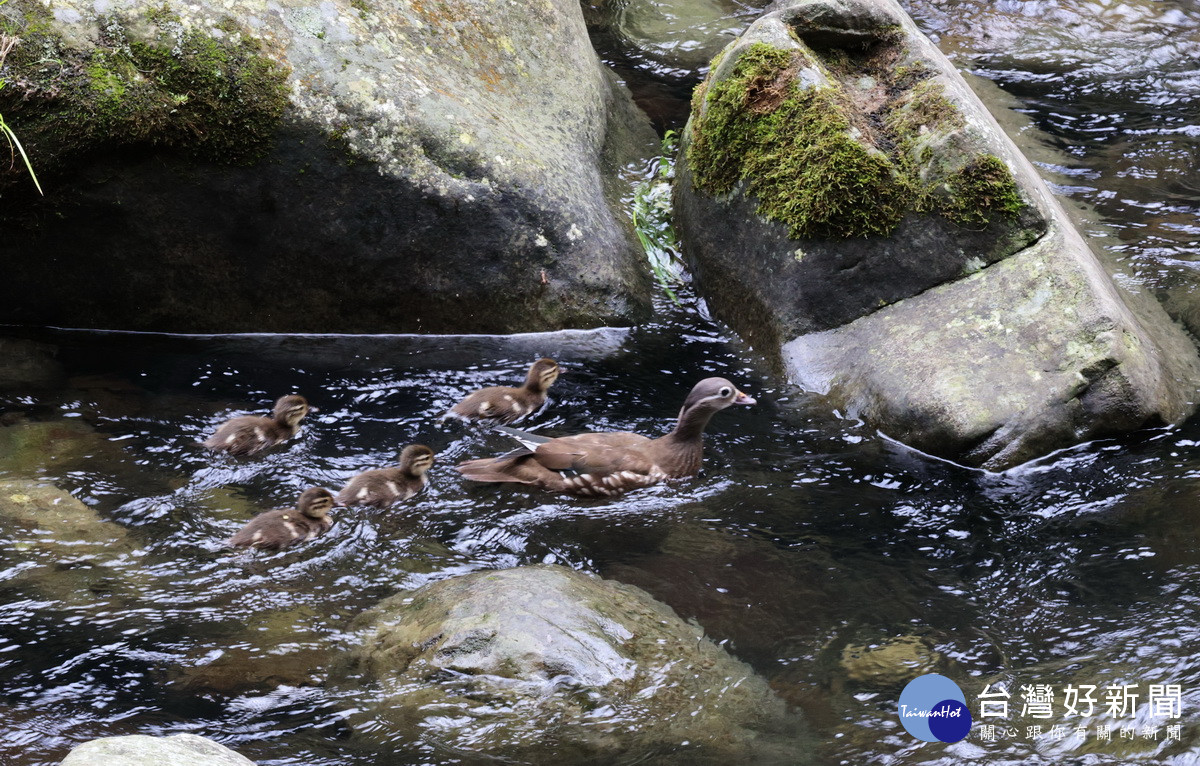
[[934, 709]]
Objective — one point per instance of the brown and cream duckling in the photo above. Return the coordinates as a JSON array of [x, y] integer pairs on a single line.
[[606, 464], [505, 404], [249, 434], [282, 527], [384, 486]]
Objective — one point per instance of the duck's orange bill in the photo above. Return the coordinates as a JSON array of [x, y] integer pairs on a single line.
[[743, 399]]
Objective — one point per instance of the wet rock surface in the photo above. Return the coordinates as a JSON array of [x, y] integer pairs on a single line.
[[922, 277], [348, 167], [141, 750], [543, 659]]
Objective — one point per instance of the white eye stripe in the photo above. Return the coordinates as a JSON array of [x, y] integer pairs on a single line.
[[726, 392]]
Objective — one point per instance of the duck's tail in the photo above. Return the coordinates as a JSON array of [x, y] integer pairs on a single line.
[[506, 468]]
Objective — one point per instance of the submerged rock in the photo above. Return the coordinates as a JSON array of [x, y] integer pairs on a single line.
[[890, 663], [542, 659], [141, 750], [26, 364], [32, 448], [63, 550], [848, 203], [347, 166]]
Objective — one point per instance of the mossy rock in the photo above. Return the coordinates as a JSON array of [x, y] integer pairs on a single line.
[[846, 171], [447, 167], [56, 520], [853, 211], [157, 82], [781, 124]]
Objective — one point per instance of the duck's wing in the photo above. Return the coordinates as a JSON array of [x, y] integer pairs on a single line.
[[498, 404], [597, 454], [242, 436], [519, 469], [263, 531]]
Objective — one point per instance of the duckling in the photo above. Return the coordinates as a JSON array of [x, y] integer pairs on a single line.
[[505, 404], [282, 527], [607, 464], [384, 486], [250, 434]]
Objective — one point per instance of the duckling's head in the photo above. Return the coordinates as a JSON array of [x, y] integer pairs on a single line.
[[315, 502], [712, 395], [542, 374], [291, 409], [416, 459]]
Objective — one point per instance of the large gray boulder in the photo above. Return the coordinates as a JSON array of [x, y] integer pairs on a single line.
[[345, 165], [852, 209], [545, 664], [141, 750]]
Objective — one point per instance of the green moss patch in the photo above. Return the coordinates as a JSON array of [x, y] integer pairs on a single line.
[[179, 88], [821, 165], [793, 150], [983, 187], [925, 105]]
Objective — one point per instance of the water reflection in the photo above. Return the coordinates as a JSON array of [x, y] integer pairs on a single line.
[[807, 540]]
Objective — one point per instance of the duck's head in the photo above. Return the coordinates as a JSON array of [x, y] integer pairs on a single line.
[[315, 502], [416, 459], [291, 409], [542, 374], [713, 395]]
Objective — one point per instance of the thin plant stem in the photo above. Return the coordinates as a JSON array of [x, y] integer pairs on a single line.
[[14, 144]]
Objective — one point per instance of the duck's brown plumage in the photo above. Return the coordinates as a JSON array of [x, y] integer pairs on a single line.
[[282, 527], [604, 464], [249, 434], [507, 404], [384, 486]]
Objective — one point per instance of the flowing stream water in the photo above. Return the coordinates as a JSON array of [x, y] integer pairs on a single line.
[[808, 543]]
